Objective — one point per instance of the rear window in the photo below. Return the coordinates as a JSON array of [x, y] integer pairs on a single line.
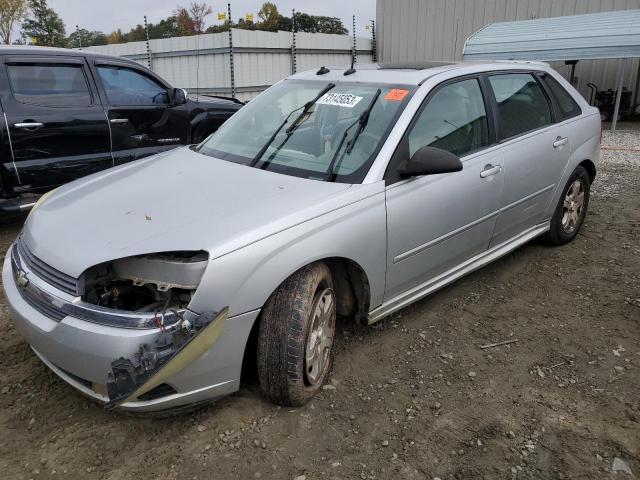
[[522, 105], [566, 105], [50, 85]]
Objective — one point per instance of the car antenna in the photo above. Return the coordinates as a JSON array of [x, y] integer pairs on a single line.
[[350, 70], [322, 70]]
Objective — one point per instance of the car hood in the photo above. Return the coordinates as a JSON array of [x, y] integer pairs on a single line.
[[180, 200]]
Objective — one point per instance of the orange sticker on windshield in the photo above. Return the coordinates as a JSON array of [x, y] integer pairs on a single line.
[[396, 95]]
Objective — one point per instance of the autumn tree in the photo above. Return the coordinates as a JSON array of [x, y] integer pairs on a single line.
[[11, 11], [184, 23], [270, 17], [44, 25], [116, 37], [198, 12]]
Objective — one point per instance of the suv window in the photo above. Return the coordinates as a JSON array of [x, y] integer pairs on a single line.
[[125, 86], [454, 119], [522, 105], [49, 85], [567, 106]]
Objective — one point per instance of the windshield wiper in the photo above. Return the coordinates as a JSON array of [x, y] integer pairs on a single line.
[[363, 120], [305, 108], [362, 123]]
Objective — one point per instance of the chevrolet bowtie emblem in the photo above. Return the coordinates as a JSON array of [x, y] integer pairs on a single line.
[[22, 280]]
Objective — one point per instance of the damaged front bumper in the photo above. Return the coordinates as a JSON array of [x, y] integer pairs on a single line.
[[66, 336]]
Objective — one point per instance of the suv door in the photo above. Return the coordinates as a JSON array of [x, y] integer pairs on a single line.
[[141, 114], [535, 151], [57, 127], [437, 222]]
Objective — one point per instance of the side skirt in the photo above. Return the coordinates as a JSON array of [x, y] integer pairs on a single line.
[[474, 263]]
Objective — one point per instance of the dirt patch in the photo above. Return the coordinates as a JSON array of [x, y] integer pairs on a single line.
[[414, 397]]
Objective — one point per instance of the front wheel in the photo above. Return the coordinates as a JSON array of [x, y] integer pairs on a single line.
[[295, 338], [571, 209]]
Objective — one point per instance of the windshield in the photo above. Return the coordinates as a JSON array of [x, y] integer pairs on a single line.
[[282, 130]]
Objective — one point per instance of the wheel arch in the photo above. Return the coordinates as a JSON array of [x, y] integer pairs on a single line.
[[353, 297], [590, 167]]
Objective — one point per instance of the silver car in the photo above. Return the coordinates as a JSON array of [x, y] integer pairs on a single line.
[[332, 196]]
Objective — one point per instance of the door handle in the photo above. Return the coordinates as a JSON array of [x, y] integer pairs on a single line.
[[119, 121], [28, 125], [560, 141], [490, 170]]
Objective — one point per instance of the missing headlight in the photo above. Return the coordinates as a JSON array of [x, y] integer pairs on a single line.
[[146, 283]]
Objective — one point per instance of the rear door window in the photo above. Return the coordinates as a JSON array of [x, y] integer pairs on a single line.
[[522, 105], [567, 107], [127, 87], [49, 85]]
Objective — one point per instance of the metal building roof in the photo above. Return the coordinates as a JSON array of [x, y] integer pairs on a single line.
[[577, 37]]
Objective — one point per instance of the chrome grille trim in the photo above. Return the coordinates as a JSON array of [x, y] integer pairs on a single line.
[[55, 278], [41, 305]]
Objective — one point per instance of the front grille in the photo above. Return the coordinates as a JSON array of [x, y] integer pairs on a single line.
[[44, 307], [53, 277]]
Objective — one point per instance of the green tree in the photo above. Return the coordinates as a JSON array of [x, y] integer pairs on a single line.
[[11, 11], [270, 17], [136, 34], [46, 27], [245, 24], [284, 23], [165, 28], [305, 22], [85, 38], [313, 24], [218, 28], [330, 25]]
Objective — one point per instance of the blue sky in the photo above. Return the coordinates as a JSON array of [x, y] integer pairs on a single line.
[[108, 15]]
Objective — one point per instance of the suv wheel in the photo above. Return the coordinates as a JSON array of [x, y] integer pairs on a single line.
[[295, 336], [571, 209]]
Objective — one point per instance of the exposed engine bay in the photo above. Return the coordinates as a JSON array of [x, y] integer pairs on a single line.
[[159, 282]]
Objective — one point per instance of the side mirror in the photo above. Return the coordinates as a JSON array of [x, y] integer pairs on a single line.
[[179, 96], [430, 161]]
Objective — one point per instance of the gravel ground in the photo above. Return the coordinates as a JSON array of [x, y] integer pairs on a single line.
[[414, 397]]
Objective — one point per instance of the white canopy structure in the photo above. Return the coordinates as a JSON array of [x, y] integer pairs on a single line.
[[577, 37]]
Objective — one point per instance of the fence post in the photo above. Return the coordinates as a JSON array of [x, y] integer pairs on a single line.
[[233, 76], [293, 41], [374, 47], [78, 39], [146, 35], [355, 51]]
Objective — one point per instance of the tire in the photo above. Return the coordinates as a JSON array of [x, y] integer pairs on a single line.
[[290, 324], [568, 218]]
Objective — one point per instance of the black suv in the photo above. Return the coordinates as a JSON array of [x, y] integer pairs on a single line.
[[69, 113]]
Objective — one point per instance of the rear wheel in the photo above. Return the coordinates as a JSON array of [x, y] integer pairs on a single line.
[[571, 209], [295, 337]]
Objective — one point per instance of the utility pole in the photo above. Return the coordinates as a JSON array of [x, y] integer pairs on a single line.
[[146, 34], [233, 79]]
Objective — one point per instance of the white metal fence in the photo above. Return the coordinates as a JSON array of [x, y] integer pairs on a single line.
[[201, 63]]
